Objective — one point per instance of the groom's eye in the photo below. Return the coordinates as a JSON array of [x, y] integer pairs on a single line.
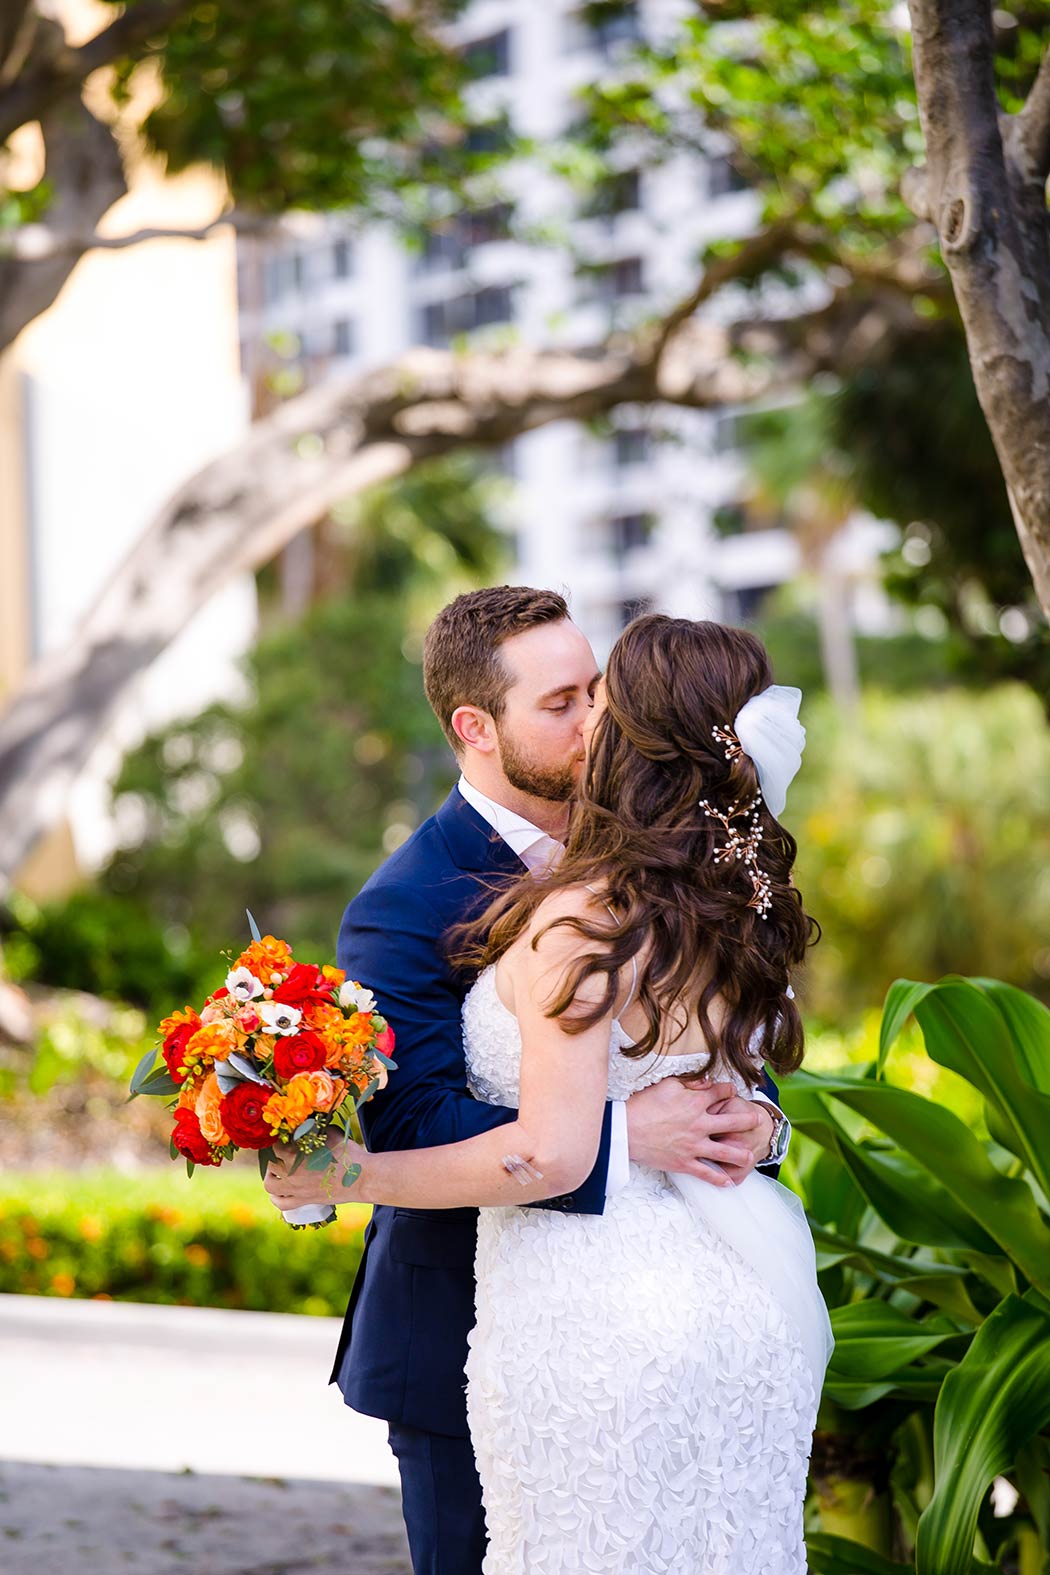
[[558, 708]]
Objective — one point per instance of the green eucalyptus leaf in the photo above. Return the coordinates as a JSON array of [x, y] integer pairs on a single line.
[[159, 1082], [142, 1071], [264, 1156]]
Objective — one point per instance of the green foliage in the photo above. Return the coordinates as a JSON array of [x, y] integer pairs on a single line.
[[933, 1244], [919, 452], [320, 105], [923, 826], [216, 1241], [109, 943]]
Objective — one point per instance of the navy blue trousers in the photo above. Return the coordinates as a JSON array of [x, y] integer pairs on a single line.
[[441, 1500]]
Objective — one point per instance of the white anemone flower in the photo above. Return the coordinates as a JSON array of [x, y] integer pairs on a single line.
[[278, 1018], [355, 998], [243, 985]]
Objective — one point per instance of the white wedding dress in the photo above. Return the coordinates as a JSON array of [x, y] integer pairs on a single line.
[[640, 1402]]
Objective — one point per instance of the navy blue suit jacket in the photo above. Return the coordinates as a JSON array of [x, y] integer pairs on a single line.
[[404, 1341]]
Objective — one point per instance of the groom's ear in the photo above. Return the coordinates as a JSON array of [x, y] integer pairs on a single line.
[[474, 728]]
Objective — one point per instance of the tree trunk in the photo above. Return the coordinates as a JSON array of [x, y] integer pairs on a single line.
[[985, 190]]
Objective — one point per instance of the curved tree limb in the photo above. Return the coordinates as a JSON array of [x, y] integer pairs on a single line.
[[35, 242], [240, 510]]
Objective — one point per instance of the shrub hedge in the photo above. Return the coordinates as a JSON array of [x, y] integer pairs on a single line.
[[219, 1243]]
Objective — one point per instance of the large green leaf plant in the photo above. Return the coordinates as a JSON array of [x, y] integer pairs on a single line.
[[932, 1450]]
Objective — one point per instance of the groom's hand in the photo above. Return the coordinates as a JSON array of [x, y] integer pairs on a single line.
[[701, 1129]]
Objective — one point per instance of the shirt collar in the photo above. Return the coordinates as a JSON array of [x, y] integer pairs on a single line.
[[534, 847]]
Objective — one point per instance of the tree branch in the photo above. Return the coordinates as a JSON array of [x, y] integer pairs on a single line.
[[36, 242], [244, 507], [751, 257], [1028, 132], [60, 70]]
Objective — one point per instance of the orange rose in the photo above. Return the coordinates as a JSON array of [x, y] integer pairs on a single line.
[[208, 1101], [212, 1042], [335, 976], [323, 1017], [266, 957], [321, 1086], [305, 1095], [358, 1029]]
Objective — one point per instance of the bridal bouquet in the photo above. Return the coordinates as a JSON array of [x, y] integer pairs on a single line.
[[283, 1052]]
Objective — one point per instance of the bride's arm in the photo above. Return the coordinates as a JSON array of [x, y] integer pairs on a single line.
[[564, 1082]]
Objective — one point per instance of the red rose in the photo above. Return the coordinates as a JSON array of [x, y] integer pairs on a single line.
[[303, 1052], [174, 1046], [385, 1041], [304, 983], [189, 1140], [241, 1113]]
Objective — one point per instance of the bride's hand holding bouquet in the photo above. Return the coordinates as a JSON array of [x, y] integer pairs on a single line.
[[279, 1058]]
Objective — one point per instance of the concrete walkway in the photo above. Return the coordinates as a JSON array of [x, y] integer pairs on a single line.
[[102, 1401]]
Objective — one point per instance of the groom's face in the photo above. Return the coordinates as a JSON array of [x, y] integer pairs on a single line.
[[540, 732]]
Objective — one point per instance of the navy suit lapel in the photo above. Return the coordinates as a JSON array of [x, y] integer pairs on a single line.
[[472, 842]]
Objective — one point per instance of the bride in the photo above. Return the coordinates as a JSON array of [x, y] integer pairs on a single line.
[[642, 1384]]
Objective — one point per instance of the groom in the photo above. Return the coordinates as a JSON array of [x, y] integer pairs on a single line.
[[510, 679]]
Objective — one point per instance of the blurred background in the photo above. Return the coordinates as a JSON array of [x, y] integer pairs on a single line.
[[311, 322]]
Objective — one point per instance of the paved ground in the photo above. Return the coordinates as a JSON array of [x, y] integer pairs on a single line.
[[157, 1440]]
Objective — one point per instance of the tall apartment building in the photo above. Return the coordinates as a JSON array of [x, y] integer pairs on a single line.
[[626, 521]]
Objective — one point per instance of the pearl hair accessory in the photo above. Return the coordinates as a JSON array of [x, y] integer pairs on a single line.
[[743, 845]]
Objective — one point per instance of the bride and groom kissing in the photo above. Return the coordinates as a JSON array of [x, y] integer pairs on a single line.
[[591, 1323]]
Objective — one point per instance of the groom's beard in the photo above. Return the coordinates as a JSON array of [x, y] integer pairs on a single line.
[[555, 784]]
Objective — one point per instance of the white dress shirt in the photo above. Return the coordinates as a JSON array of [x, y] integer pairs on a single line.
[[538, 851]]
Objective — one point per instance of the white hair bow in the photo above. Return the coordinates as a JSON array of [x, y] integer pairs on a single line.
[[772, 736]]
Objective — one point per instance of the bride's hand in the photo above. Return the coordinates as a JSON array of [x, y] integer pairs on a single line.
[[288, 1191]]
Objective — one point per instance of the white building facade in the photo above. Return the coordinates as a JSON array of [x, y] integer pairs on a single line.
[[625, 521]]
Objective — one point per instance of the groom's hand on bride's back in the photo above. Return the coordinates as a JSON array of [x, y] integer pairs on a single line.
[[701, 1129]]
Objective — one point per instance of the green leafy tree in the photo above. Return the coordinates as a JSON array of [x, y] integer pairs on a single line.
[[817, 107], [923, 826]]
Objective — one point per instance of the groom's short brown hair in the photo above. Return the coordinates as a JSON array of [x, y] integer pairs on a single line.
[[461, 657]]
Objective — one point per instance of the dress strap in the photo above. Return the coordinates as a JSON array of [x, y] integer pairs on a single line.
[[634, 960]]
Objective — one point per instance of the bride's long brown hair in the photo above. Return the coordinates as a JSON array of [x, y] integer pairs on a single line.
[[637, 833]]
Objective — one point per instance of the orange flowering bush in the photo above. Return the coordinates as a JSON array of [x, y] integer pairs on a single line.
[[282, 1052]]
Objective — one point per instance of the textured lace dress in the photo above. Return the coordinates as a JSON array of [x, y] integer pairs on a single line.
[[639, 1403]]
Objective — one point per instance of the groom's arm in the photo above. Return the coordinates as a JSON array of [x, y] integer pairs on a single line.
[[391, 942]]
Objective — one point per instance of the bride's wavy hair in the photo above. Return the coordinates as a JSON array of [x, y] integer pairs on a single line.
[[637, 832]]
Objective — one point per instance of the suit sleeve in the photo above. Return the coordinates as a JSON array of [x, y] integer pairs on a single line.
[[769, 1088], [390, 942]]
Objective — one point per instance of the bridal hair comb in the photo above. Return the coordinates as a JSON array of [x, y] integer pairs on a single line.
[[725, 735], [743, 845]]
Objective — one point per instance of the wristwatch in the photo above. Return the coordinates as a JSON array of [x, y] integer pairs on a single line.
[[778, 1141]]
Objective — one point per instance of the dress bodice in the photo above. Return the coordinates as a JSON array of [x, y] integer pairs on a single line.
[[492, 1041]]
